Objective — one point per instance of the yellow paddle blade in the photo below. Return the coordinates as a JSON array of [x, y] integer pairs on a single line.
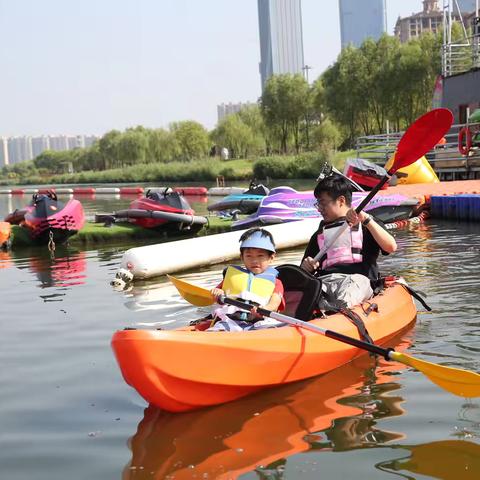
[[201, 297], [455, 380]]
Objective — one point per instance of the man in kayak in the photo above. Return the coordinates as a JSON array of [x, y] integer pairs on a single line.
[[349, 266], [255, 282]]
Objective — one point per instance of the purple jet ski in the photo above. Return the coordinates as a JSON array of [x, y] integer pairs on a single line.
[[285, 204]]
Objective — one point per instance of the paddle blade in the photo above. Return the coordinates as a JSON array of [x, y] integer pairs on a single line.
[[421, 137], [455, 380], [197, 296]]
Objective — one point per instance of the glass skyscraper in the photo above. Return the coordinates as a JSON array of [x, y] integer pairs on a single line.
[[281, 40], [361, 19]]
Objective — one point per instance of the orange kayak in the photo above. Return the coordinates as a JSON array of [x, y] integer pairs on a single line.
[[5, 232], [181, 370]]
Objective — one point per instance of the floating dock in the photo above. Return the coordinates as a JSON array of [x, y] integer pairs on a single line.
[[464, 207], [458, 200]]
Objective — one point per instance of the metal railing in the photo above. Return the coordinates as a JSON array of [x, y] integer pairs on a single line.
[[461, 57], [445, 159]]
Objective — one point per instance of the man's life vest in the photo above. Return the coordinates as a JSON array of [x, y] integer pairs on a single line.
[[346, 249], [240, 282]]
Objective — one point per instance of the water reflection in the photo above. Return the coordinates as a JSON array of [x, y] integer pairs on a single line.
[[336, 411], [62, 267], [446, 460], [5, 259]]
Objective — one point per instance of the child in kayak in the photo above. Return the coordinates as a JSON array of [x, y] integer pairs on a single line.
[[255, 282]]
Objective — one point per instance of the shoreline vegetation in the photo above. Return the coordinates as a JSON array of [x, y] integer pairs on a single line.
[[98, 233], [294, 128], [304, 166]]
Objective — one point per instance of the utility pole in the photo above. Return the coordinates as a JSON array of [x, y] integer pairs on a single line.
[[305, 69]]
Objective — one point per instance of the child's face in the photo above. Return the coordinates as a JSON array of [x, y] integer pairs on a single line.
[[257, 260]]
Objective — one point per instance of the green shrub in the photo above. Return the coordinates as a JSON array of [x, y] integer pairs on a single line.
[[306, 165]]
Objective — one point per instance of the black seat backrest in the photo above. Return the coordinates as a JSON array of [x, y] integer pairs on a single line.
[[302, 291]]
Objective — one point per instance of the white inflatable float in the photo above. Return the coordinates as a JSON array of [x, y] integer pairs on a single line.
[[224, 191], [154, 260]]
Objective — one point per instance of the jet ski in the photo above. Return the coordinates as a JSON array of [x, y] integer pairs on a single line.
[[166, 211], [285, 204], [246, 202], [47, 219], [367, 174]]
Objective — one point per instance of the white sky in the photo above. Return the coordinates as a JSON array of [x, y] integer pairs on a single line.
[[89, 66]]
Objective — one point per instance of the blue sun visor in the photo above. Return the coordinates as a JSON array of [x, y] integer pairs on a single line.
[[257, 240]]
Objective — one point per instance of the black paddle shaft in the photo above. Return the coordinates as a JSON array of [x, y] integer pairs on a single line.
[[371, 347], [372, 193]]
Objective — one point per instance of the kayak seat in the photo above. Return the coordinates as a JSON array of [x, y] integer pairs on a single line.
[[301, 291]]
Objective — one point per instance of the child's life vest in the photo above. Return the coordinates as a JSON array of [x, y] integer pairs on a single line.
[[240, 282], [346, 249]]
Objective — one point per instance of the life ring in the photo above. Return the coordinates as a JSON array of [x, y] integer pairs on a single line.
[[464, 141]]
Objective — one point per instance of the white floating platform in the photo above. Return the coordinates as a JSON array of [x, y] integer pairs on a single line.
[[154, 260], [224, 191]]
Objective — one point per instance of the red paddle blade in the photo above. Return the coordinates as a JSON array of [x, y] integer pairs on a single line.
[[421, 136]]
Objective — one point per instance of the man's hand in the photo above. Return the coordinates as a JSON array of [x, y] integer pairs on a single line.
[[353, 218], [309, 264]]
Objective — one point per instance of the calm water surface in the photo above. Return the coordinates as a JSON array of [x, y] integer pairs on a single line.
[[65, 411]]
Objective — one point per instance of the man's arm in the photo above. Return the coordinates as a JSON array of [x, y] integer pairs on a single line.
[[307, 263], [383, 238]]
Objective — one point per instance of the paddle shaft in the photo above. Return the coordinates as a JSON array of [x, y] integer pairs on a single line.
[[358, 209], [384, 352]]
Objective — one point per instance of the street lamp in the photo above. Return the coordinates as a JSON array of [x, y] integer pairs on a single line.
[[305, 69]]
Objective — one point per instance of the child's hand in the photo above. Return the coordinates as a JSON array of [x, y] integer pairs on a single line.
[[254, 313], [217, 293]]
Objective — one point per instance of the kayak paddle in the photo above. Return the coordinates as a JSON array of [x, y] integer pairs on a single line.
[[460, 382], [419, 138]]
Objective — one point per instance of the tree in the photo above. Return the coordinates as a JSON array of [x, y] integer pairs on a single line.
[[192, 139], [284, 105], [132, 147], [53, 161], [162, 146], [108, 147], [89, 158], [234, 134], [341, 95], [326, 136]]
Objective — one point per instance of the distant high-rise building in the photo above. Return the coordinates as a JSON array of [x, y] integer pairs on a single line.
[[225, 109], [466, 6], [3, 152], [281, 38], [19, 149], [428, 20], [89, 140], [39, 145], [58, 142], [361, 19]]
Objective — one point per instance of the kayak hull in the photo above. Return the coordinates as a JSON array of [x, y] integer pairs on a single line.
[[181, 370]]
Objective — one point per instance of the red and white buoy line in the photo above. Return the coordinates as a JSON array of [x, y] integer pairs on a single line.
[[200, 191], [420, 218]]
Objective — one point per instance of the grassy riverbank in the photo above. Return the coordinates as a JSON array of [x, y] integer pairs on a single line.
[[207, 170], [93, 234]]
